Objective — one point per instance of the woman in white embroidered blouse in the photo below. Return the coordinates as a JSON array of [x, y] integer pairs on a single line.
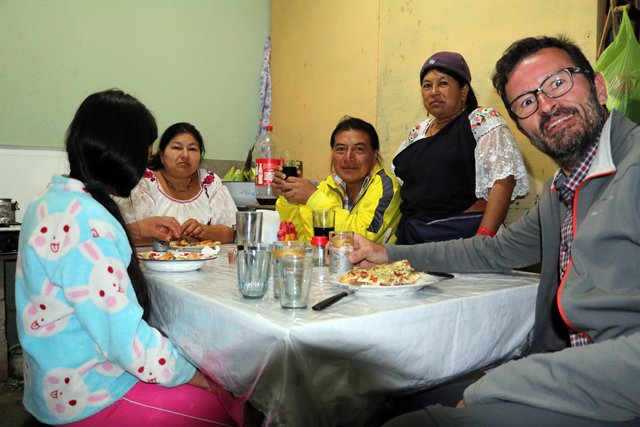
[[461, 168], [175, 198]]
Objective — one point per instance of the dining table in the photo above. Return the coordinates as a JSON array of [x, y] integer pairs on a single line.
[[333, 367]]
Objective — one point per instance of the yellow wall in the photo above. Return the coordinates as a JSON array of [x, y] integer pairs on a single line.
[[362, 57], [410, 31], [324, 65]]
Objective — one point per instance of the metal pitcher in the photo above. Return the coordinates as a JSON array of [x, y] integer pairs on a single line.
[[8, 211]]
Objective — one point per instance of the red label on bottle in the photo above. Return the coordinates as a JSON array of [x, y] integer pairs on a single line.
[[265, 169]]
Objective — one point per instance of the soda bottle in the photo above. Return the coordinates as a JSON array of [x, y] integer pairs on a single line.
[[266, 161]]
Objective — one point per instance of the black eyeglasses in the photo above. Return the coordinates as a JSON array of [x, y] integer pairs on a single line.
[[554, 86]]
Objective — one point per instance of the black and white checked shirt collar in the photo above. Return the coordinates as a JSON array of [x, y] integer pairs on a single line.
[[566, 186]]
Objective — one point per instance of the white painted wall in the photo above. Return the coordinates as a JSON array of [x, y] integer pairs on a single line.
[[26, 171]]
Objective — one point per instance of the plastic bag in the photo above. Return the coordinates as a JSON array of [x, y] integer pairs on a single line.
[[620, 66]]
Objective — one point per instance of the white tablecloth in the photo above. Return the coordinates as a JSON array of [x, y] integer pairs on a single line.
[[302, 367]]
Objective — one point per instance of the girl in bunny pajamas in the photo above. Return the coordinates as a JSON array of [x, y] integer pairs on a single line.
[[91, 359]]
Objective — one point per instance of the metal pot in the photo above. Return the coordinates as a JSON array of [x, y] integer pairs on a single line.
[[8, 211]]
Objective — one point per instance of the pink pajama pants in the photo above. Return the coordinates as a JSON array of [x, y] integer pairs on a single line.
[[156, 406]]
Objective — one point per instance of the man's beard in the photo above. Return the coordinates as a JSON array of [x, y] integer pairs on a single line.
[[568, 148]]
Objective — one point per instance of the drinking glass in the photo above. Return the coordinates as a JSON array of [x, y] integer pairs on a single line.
[[248, 228], [282, 248], [323, 222], [296, 280], [340, 246], [254, 264], [290, 169]]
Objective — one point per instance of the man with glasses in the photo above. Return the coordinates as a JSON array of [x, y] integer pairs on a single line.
[[582, 364]]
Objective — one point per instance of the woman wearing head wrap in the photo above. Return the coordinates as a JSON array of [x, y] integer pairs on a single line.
[[461, 167]]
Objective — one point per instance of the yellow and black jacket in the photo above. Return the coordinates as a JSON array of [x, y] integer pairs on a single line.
[[375, 213]]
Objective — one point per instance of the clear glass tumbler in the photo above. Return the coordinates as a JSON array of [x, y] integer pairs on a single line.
[[280, 249], [254, 264], [296, 280], [323, 222], [340, 246], [248, 228]]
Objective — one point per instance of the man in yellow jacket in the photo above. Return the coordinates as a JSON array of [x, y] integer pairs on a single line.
[[363, 194]]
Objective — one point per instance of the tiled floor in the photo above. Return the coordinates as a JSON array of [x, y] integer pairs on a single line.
[[13, 413]]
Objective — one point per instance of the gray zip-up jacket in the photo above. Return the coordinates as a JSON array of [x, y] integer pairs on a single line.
[[599, 294]]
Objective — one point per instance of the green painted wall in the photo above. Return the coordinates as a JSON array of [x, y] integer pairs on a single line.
[[186, 60]]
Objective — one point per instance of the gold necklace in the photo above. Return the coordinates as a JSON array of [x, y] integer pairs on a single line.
[[173, 187]]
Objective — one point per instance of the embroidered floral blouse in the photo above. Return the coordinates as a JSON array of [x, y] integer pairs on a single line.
[[212, 205], [496, 154]]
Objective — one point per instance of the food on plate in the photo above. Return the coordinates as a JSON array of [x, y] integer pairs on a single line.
[[183, 243], [287, 231], [170, 256], [164, 257], [392, 274], [209, 251]]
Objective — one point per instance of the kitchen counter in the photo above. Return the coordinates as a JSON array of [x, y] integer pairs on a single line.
[[8, 332]]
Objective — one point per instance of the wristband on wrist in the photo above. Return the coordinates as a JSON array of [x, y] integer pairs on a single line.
[[485, 231]]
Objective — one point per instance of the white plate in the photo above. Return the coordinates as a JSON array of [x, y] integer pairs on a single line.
[[174, 265], [425, 280]]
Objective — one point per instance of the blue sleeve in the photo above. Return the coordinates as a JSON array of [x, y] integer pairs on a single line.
[[108, 310]]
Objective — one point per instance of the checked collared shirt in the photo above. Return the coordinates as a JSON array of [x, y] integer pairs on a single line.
[[347, 203], [566, 187]]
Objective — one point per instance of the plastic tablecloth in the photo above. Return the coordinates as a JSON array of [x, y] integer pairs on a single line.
[[332, 367]]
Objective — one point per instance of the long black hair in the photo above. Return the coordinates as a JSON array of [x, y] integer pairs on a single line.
[[175, 129], [107, 144]]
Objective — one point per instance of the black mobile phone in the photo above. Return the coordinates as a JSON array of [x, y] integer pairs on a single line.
[[290, 171]]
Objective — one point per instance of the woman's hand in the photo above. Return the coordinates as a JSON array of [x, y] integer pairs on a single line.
[[461, 404], [366, 253], [192, 228], [159, 227]]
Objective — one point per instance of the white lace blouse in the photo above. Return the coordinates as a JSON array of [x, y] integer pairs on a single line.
[[212, 205], [496, 154]]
